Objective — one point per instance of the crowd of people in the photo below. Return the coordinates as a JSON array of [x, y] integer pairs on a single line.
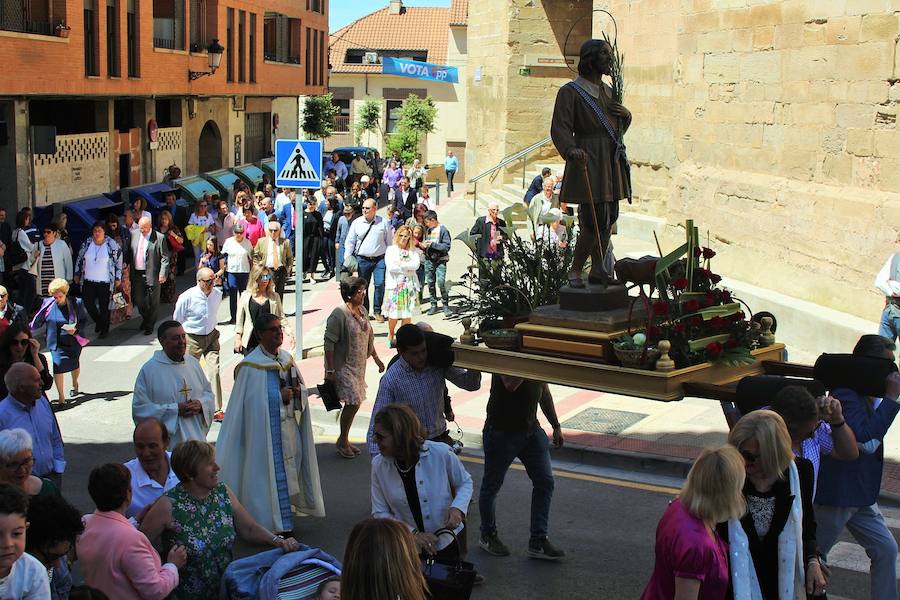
[[756, 518]]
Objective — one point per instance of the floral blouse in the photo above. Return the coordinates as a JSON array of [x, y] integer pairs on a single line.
[[206, 529]]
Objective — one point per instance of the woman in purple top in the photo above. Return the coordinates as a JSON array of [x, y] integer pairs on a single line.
[[691, 559], [392, 176]]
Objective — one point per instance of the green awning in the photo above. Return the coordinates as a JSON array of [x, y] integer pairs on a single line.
[[194, 187], [224, 180], [251, 174], [268, 167]]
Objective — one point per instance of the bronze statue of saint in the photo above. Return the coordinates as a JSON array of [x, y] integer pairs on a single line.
[[587, 129]]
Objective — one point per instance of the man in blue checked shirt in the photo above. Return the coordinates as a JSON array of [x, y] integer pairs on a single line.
[[27, 408], [412, 381]]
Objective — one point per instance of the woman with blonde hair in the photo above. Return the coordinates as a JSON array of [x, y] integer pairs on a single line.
[[401, 284], [66, 320], [691, 558], [381, 563], [773, 547], [258, 299]]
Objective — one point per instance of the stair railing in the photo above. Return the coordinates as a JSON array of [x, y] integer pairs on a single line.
[[492, 171]]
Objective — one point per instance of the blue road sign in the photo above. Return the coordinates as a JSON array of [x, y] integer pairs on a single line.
[[298, 163]]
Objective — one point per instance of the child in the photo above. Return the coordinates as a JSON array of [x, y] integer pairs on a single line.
[[21, 575], [330, 589]]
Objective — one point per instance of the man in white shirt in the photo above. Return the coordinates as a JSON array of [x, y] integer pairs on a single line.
[[282, 199], [151, 470], [197, 310], [368, 240], [888, 283]]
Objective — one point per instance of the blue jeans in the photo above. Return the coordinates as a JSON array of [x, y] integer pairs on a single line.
[[237, 283], [890, 322], [369, 270], [436, 272], [500, 449], [866, 525]]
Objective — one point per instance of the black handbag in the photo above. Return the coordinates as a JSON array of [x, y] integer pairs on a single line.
[[328, 394], [448, 581]]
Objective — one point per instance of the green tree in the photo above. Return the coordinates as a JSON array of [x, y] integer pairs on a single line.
[[368, 119], [417, 116], [318, 116]]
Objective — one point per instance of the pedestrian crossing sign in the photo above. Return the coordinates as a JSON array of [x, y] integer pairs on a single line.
[[298, 163]]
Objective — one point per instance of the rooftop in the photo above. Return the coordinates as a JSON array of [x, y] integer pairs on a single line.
[[415, 29]]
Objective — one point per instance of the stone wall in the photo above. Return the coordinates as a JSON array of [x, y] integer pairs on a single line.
[[510, 110], [79, 168], [773, 125], [170, 150]]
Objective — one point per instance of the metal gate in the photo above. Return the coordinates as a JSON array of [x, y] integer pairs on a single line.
[[257, 138]]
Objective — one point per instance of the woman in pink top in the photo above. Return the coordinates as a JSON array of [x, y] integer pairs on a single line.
[[116, 558], [254, 228], [691, 559]]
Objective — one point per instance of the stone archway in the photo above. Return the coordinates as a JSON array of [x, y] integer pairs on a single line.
[[210, 148]]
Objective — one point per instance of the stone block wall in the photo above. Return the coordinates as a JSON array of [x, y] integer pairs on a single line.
[[773, 124], [79, 168]]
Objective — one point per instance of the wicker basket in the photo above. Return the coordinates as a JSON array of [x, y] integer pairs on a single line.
[[634, 358], [501, 339]]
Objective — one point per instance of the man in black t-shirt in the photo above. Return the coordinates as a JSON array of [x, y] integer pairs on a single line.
[[512, 430]]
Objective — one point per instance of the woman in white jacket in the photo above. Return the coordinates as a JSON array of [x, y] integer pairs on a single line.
[[401, 284], [418, 482]]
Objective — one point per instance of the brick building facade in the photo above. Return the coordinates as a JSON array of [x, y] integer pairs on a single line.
[[98, 72]]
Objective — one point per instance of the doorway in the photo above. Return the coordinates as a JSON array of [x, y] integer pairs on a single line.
[[124, 171], [210, 148]]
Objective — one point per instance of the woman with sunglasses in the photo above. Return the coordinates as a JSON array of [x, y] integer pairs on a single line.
[[17, 345], [258, 299], [401, 283], [773, 547]]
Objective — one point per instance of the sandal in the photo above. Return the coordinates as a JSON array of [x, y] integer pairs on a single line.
[[355, 450], [346, 452]]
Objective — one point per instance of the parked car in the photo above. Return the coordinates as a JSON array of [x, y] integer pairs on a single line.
[[370, 155]]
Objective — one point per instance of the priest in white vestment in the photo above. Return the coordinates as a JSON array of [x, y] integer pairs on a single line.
[[173, 388], [266, 448]]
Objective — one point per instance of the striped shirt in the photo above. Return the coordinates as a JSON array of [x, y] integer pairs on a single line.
[[47, 273]]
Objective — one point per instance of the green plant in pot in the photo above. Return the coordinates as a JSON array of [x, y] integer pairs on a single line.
[[530, 273]]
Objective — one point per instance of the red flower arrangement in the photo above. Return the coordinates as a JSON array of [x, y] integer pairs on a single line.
[[703, 322]]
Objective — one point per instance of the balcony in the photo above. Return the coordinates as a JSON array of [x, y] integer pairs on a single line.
[[168, 33], [26, 16], [341, 124]]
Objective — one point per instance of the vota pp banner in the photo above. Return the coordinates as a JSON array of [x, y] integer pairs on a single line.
[[419, 70]]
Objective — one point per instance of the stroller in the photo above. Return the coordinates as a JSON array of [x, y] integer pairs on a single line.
[[274, 575]]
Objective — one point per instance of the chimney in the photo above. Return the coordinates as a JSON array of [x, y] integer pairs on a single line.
[[396, 7]]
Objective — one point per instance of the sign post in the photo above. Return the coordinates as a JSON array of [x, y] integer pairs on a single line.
[[298, 164]]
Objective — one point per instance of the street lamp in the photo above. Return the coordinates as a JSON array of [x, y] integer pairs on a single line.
[[214, 52]]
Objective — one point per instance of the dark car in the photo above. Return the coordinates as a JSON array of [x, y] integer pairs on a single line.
[[370, 155]]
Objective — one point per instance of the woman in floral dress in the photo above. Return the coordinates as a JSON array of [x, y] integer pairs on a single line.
[[401, 284], [204, 516], [349, 342], [174, 239]]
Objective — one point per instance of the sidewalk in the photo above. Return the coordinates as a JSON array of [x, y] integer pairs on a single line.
[[614, 426]]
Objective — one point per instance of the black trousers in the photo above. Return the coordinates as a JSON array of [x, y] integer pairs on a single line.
[[96, 301], [145, 298], [279, 278], [450, 175]]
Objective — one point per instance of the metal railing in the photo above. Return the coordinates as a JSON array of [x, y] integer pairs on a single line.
[[341, 124], [492, 171]]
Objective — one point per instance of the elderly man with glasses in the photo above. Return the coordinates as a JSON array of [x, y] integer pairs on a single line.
[[27, 408], [274, 252], [197, 310], [367, 241]]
